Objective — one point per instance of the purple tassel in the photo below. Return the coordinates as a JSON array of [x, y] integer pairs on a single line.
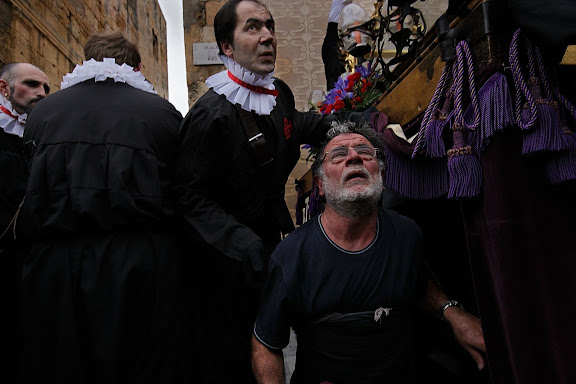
[[562, 166], [496, 109], [547, 134], [434, 142], [464, 169], [417, 178]]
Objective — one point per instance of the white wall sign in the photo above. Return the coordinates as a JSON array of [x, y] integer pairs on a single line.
[[206, 54]]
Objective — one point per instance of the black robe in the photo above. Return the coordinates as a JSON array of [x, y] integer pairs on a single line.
[[222, 200], [13, 177], [102, 298]]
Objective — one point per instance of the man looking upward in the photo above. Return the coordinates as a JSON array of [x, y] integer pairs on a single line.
[[239, 143], [348, 281]]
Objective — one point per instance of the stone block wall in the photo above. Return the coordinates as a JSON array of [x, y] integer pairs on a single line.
[[51, 34]]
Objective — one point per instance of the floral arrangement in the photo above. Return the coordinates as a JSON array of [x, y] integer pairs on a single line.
[[356, 92]]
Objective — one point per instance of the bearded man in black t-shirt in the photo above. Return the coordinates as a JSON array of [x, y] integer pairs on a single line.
[[348, 280]]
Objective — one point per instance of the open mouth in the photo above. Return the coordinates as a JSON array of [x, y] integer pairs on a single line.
[[356, 176]]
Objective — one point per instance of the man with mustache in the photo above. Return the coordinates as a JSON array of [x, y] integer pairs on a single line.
[[22, 85], [239, 143], [348, 281]]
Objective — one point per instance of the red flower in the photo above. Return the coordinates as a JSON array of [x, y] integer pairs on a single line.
[[339, 104], [328, 108], [366, 85], [354, 77]]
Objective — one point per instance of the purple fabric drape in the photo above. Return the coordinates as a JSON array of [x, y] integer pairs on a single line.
[[520, 234]]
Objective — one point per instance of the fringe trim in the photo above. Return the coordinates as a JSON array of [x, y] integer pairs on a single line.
[[416, 178], [562, 167], [496, 109]]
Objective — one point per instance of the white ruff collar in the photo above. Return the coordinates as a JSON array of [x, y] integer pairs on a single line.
[[14, 124], [235, 93], [107, 69]]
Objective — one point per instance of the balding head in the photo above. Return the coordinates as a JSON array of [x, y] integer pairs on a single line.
[[23, 84]]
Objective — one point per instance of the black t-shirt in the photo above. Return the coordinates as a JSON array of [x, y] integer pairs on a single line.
[[310, 276]]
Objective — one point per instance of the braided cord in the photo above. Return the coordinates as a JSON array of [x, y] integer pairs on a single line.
[[520, 85], [433, 106], [552, 90], [465, 48], [458, 87]]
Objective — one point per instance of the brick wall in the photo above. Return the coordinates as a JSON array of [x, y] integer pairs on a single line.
[[51, 34]]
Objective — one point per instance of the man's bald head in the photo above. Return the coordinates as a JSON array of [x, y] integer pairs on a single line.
[[23, 84]]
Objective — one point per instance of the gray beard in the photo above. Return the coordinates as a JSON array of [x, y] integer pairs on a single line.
[[353, 204]]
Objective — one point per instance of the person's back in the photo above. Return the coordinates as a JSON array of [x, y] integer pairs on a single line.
[[104, 164], [102, 299]]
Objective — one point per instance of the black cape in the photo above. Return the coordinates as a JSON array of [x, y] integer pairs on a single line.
[[102, 298]]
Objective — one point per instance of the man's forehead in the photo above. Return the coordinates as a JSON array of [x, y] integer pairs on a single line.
[[29, 72], [249, 10], [347, 139]]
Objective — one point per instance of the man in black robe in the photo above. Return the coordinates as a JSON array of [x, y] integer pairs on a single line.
[[22, 85], [231, 181], [101, 295]]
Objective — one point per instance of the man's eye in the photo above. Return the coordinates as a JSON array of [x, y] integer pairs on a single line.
[[363, 150], [338, 154], [32, 84]]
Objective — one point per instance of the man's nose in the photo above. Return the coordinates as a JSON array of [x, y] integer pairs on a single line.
[[353, 157], [267, 36], [41, 92]]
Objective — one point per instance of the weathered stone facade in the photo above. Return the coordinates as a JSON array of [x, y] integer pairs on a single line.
[[51, 34]]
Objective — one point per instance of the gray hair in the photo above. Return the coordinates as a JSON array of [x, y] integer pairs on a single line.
[[362, 128]]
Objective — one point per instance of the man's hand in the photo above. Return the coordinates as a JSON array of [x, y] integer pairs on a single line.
[[468, 332], [254, 274]]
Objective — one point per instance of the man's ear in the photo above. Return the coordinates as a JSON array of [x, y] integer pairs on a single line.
[[4, 87], [318, 182], [228, 49]]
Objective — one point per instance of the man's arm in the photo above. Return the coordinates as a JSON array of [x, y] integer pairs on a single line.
[[466, 327], [200, 167], [267, 364]]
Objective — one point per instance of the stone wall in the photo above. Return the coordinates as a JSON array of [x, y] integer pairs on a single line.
[[51, 34]]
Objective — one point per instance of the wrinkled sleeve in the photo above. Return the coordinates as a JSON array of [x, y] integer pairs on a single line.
[[201, 165]]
